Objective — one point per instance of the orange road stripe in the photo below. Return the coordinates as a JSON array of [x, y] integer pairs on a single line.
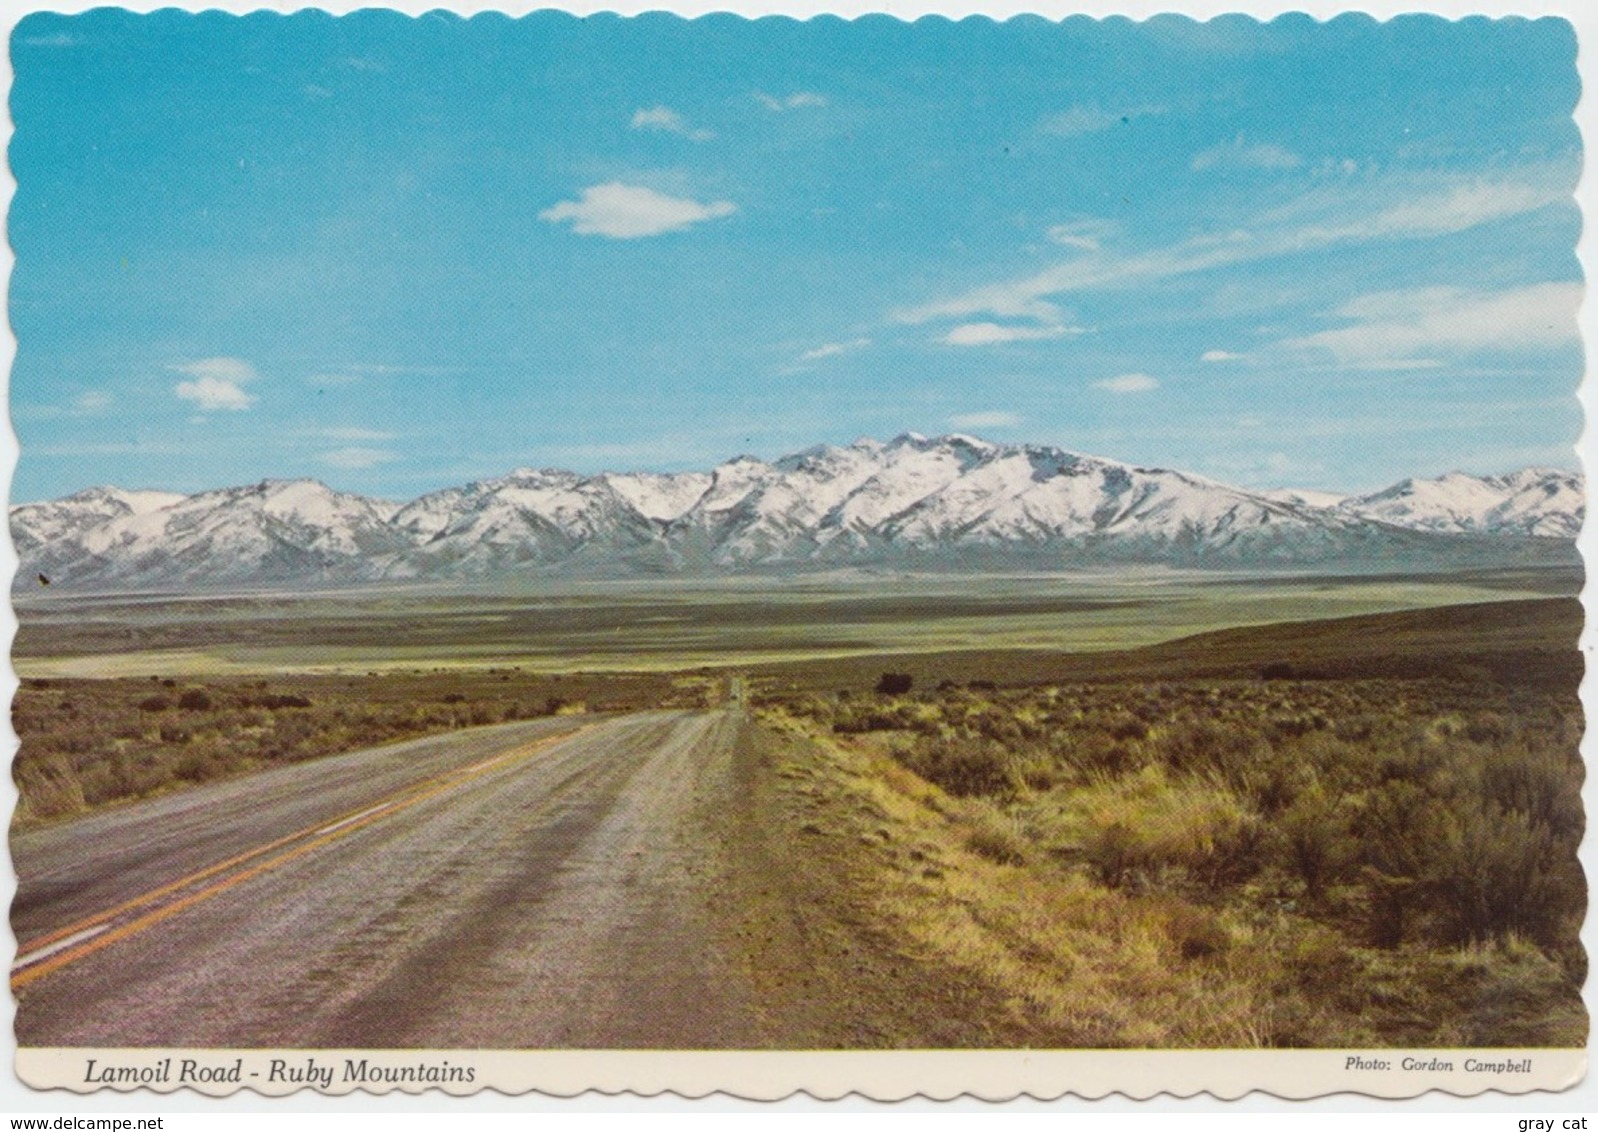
[[212, 870], [339, 827], [216, 888]]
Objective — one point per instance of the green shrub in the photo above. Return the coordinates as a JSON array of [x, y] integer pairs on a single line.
[[894, 683], [1314, 838], [195, 699], [1496, 873], [965, 765]]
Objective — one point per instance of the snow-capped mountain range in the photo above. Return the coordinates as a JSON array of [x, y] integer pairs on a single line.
[[944, 503]]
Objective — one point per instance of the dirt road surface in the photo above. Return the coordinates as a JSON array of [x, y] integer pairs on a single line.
[[630, 882]]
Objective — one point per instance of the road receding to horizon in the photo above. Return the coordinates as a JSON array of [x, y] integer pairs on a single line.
[[573, 882]]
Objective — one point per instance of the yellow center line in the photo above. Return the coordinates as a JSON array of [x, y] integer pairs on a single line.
[[329, 831]]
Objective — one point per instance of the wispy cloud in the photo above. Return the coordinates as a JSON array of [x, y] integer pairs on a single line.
[[367, 434], [991, 419], [1240, 154], [1219, 356], [1408, 329], [1408, 208], [1127, 383], [628, 212], [663, 119], [1086, 234], [358, 457], [1388, 209], [1261, 467], [353, 373], [1091, 118], [992, 333], [218, 383], [90, 403], [58, 39], [333, 379], [833, 349], [798, 100]]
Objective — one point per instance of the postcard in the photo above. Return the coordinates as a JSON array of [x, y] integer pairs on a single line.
[[899, 557]]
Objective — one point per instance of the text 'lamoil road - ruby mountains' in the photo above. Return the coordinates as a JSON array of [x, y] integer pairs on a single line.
[[952, 503]]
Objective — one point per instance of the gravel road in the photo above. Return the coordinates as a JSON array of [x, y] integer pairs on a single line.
[[551, 884]]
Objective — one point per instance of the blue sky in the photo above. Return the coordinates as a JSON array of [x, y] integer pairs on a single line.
[[399, 254]]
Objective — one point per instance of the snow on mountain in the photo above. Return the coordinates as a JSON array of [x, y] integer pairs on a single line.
[[660, 498], [272, 531], [907, 472], [1540, 502], [526, 518], [34, 525], [1304, 497], [953, 502]]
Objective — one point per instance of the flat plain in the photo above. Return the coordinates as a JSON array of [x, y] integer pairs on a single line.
[[674, 626]]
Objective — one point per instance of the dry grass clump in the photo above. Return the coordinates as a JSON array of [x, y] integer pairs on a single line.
[[998, 836], [1271, 861], [1144, 827]]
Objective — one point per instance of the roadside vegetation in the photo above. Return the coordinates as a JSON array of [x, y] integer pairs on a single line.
[[1267, 861], [91, 743]]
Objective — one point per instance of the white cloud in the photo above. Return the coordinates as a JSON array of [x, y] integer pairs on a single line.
[[991, 333], [89, 403], [213, 393], [1090, 118], [1407, 329], [236, 370], [1340, 214], [1219, 356], [1262, 467], [1358, 212], [1400, 365], [218, 383], [356, 434], [663, 119], [1128, 383], [797, 100], [627, 212], [833, 349], [992, 419], [1239, 154], [1086, 234], [59, 39], [1064, 236], [358, 457]]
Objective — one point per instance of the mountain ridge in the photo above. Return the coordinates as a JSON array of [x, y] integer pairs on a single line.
[[954, 502]]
